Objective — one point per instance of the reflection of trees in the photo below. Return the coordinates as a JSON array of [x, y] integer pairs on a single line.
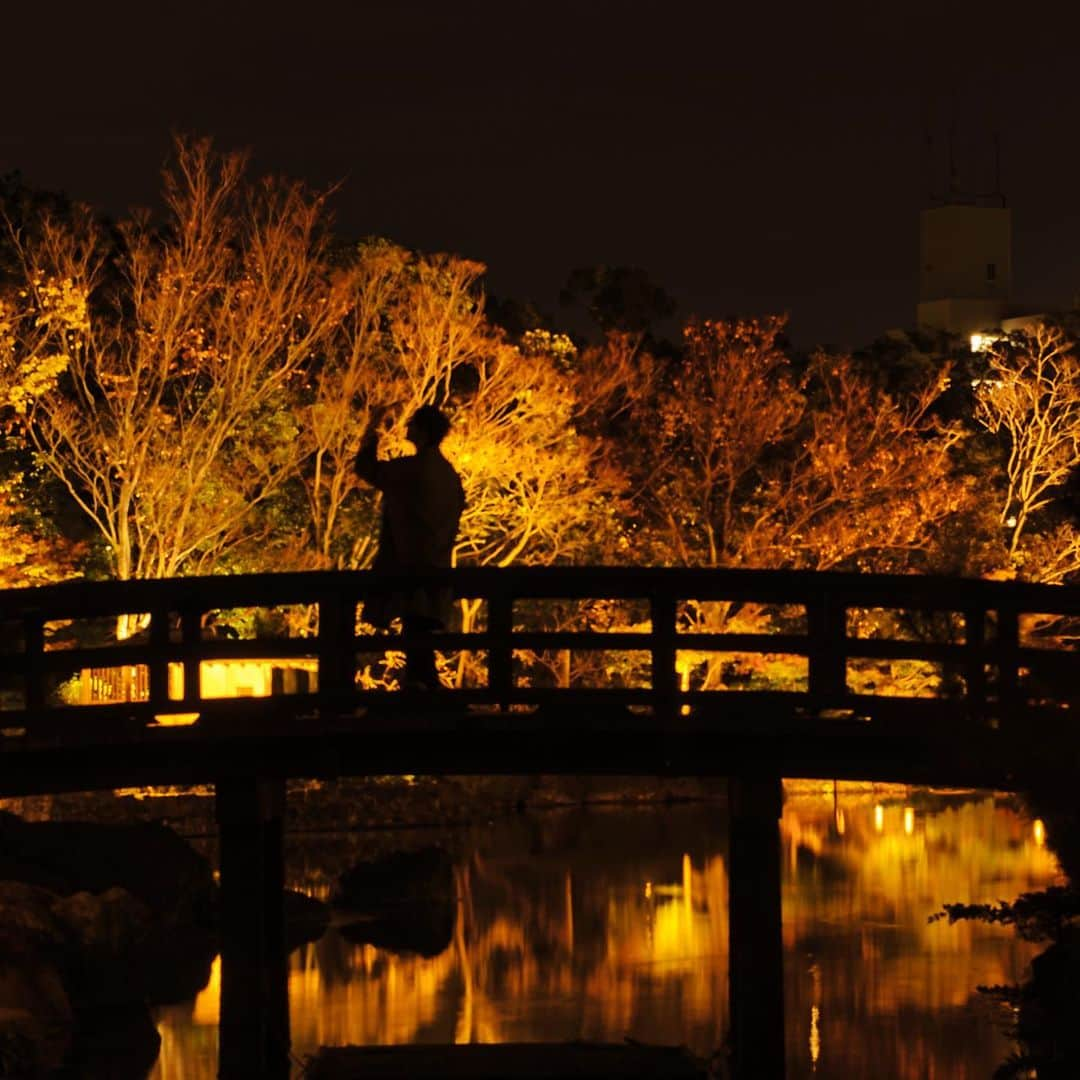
[[869, 981], [597, 926], [547, 945], [1041, 1011]]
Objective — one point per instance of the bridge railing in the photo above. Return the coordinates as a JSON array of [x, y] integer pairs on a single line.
[[675, 644]]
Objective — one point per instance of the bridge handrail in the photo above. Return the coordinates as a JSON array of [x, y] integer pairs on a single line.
[[991, 662], [929, 592]]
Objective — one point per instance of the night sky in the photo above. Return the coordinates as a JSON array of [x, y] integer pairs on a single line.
[[767, 159]]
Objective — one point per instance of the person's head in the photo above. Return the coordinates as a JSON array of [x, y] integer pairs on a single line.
[[427, 427]]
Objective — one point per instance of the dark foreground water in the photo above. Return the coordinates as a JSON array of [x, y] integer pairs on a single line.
[[603, 924]]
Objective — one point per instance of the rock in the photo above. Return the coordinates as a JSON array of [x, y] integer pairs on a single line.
[[401, 878], [527, 1061], [112, 923], [423, 931], [149, 861], [35, 1017], [306, 918], [406, 902], [173, 967], [115, 1043], [107, 933], [28, 924]]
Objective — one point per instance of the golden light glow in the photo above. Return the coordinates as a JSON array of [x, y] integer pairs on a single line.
[[1038, 832], [683, 670], [909, 820], [555, 946], [688, 885], [207, 1006], [175, 719], [980, 342]]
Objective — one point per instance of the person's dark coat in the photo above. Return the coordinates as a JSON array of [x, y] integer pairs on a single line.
[[422, 502]]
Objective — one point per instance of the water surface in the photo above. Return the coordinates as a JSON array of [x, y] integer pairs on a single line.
[[606, 924]]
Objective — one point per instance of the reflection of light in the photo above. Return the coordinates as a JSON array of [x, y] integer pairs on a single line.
[[1038, 831], [815, 1036], [569, 914], [909, 820], [648, 890], [688, 885], [208, 1002], [175, 719], [982, 342], [879, 817], [841, 823], [683, 670]]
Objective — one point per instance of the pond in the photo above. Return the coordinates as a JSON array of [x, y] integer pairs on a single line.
[[611, 923]]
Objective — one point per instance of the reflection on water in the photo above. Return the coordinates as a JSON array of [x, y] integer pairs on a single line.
[[610, 924], [873, 989]]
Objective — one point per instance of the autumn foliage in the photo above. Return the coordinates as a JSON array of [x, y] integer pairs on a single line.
[[194, 389]]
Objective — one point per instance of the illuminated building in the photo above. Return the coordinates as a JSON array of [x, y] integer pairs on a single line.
[[965, 270]]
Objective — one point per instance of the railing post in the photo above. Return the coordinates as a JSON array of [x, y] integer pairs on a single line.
[[665, 679], [254, 1024], [500, 647], [159, 662], [1008, 664], [191, 639], [337, 648], [755, 932], [975, 674], [34, 644], [826, 620]]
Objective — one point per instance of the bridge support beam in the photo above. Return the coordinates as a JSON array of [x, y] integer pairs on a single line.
[[756, 944], [254, 1025]]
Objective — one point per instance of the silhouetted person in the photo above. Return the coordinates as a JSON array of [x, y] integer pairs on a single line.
[[422, 501]]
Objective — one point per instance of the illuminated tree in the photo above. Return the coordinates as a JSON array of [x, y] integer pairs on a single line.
[[342, 386], [747, 462], [1030, 393], [29, 554], [537, 489], [167, 358], [30, 551], [739, 458], [417, 334]]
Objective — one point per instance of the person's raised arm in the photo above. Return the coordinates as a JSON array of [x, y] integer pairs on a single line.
[[366, 462]]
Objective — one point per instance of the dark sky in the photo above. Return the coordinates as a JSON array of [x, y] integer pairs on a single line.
[[757, 159]]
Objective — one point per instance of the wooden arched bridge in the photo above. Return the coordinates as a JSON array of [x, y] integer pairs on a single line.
[[245, 681], [905, 678]]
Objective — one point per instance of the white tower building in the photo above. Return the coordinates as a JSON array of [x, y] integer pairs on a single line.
[[965, 272]]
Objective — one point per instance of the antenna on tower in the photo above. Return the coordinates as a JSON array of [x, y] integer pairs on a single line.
[[928, 140], [954, 179], [999, 191]]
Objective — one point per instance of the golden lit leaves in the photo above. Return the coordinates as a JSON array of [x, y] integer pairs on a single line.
[[417, 335], [178, 348], [27, 555], [61, 304], [31, 379]]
